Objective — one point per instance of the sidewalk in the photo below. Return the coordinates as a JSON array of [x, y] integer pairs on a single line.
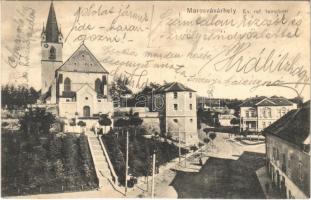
[[263, 179]]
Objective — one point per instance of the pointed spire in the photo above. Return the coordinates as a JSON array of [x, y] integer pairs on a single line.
[[51, 26], [43, 29]]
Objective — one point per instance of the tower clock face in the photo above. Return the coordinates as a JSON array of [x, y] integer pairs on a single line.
[[46, 45]]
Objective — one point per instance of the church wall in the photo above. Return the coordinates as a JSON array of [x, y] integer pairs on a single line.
[[67, 109], [48, 74], [78, 79]]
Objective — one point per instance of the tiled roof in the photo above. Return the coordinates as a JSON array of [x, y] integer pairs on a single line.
[[250, 102], [293, 127], [265, 101], [173, 87], [82, 60], [51, 26], [68, 94], [281, 101]]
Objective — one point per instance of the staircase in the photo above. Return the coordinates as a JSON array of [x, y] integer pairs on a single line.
[[100, 162]]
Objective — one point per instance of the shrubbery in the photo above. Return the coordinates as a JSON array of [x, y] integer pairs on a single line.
[[47, 163], [140, 154]]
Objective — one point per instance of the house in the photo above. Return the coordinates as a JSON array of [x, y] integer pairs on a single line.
[[225, 119], [259, 112], [79, 86], [176, 105], [288, 153]]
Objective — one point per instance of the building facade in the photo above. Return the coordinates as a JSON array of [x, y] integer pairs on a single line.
[[79, 86], [176, 105], [260, 112], [287, 153]]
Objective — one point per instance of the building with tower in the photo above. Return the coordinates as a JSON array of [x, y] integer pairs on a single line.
[[77, 87], [176, 105], [51, 50]]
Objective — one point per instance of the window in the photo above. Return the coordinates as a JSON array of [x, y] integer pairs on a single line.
[[52, 53], [289, 161], [264, 124], [190, 106], [175, 95], [86, 111], [283, 111], [275, 156], [247, 113], [300, 173], [86, 98], [175, 120], [104, 80], [190, 95], [98, 86], [252, 112], [67, 85], [175, 107], [60, 78], [67, 100], [269, 112], [264, 114]]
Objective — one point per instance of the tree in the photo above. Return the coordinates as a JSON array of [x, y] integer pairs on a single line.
[[18, 96], [104, 120], [119, 88], [134, 120], [234, 121], [81, 124], [36, 120]]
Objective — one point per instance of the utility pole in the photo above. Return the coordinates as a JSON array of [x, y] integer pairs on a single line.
[[127, 160], [179, 150], [153, 170], [185, 148]]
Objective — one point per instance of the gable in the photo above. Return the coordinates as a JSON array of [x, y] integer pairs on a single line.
[[265, 102], [86, 88], [82, 60]]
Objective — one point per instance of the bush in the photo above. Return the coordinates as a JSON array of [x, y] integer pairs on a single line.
[[4, 124], [206, 140], [193, 148]]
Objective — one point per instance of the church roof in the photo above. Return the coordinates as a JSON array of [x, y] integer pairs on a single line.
[[51, 30], [173, 87], [82, 60], [293, 127]]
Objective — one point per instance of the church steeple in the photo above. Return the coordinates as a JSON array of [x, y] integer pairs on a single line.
[[52, 33], [51, 48]]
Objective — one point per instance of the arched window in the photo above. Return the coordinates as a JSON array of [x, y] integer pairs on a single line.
[[98, 86], [67, 85], [52, 53], [86, 111]]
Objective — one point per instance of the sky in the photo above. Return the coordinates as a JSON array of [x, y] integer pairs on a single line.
[[165, 42]]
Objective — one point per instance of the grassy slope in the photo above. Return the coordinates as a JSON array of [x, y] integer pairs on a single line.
[[46, 164]]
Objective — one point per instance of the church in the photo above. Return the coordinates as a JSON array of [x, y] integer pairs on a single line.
[[77, 87]]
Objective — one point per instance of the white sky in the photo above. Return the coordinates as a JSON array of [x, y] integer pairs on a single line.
[[138, 42]]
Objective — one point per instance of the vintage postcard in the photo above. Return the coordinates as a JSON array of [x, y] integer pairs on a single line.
[[155, 99]]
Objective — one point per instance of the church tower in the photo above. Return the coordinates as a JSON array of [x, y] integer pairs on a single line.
[[51, 45]]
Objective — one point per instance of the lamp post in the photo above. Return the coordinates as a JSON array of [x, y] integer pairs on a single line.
[[127, 160], [153, 167]]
